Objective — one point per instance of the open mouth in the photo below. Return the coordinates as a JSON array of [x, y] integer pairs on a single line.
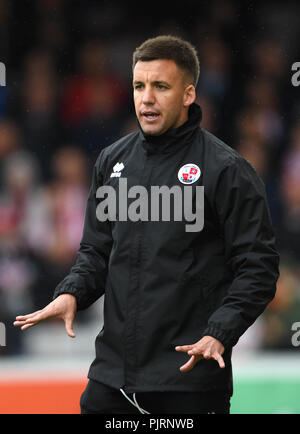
[[150, 116]]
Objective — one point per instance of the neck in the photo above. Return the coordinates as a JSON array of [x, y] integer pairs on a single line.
[[180, 135], [182, 119]]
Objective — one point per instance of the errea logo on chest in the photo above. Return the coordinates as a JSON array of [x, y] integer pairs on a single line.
[[117, 169]]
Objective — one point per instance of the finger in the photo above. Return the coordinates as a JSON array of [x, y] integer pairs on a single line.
[[18, 323], [69, 327], [219, 359], [195, 351], [183, 348], [32, 319], [27, 326], [200, 351], [29, 315], [207, 354], [188, 365]]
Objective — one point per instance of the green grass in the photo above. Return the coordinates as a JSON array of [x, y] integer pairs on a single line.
[[266, 396]]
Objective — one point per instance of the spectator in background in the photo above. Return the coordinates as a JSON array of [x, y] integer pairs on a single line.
[[215, 67], [289, 222], [10, 137], [37, 111], [283, 311], [259, 155], [54, 220], [259, 131], [209, 113], [51, 25], [67, 195], [256, 153], [269, 60], [215, 80], [93, 100], [261, 95], [18, 271], [20, 173], [270, 91]]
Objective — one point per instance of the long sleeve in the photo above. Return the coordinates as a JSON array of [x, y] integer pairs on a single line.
[[250, 251], [87, 278]]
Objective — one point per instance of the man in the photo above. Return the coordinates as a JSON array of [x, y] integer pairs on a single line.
[[177, 297]]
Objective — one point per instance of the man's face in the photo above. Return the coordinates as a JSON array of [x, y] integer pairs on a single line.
[[161, 95]]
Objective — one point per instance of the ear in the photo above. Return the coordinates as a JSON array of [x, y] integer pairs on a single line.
[[189, 95]]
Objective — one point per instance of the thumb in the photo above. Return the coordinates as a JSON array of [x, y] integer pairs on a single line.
[[69, 327]]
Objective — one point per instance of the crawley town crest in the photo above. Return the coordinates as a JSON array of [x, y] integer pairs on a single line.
[[189, 173]]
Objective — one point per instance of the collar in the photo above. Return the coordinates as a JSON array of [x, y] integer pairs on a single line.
[[174, 138]]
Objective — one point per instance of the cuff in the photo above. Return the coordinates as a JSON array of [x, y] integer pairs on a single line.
[[70, 289], [228, 338]]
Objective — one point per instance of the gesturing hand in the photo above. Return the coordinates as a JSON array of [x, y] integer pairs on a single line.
[[64, 307], [207, 348]]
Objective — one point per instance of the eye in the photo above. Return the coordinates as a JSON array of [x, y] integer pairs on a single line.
[[138, 86], [161, 86]]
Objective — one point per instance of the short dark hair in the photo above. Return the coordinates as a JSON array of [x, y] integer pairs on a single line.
[[171, 48]]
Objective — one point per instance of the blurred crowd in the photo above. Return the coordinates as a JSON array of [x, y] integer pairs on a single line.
[[68, 95]]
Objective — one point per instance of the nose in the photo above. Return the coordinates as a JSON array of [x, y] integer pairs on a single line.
[[148, 96]]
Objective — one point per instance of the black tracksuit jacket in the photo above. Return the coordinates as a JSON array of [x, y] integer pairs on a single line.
[[165, 286]]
